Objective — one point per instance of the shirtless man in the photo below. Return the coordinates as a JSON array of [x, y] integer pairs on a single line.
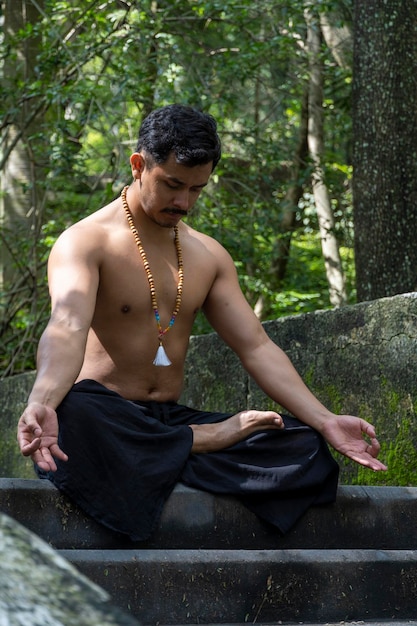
[[104, 324]]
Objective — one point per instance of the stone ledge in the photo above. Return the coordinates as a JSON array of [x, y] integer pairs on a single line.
[[399, 622], [362, 518], [395, 622], [206, 586], [359, 360]]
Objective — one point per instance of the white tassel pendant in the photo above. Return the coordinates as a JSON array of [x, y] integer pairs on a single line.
[[161, 359]]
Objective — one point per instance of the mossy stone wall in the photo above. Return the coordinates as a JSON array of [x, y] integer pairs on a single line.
[[13, 395], [359, 359]]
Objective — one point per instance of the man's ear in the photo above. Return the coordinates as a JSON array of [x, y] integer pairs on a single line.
[[137, 163]]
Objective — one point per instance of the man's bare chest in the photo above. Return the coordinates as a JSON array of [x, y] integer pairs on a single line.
[[125, 289]]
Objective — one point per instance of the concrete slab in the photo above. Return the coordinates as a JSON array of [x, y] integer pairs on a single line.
[[343, 623], [362, 517], [256, 586], [212, 562]]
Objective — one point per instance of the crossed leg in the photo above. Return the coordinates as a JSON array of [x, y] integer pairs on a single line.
[[213, 437]]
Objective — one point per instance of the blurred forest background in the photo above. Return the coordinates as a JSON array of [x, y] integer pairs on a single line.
[[316, 102]]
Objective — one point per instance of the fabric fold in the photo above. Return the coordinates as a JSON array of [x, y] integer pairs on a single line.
[[125, 458]]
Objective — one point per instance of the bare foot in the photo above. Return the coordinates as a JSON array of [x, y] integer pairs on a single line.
[[212, 437]]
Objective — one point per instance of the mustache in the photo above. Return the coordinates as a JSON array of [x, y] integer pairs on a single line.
[[175, 210]]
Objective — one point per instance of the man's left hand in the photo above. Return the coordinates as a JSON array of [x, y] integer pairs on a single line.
[[355, 438]]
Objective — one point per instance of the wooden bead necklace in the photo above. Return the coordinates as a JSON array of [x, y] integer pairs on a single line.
[[161, 358]]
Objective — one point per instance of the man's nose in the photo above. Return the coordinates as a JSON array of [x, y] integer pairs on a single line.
[[182, 199]]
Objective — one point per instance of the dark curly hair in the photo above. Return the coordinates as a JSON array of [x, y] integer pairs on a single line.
[[190, 134]]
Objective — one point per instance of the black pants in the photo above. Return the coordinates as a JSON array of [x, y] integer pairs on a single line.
[[126, 457]]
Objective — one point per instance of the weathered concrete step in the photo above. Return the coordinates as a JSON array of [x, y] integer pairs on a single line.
[[344, 623], [362, 517], [261, 586]]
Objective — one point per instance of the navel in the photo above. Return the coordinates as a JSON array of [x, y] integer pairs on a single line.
[[125, 308]]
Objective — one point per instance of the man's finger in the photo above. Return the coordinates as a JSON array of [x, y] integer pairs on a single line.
[[47, 461], [374, 447], [27, 448], [367, 460], [58, 453]]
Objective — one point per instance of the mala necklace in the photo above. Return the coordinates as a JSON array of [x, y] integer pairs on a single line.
[[161, 358]]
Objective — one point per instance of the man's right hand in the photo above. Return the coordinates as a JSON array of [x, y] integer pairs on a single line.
[[37, 436]]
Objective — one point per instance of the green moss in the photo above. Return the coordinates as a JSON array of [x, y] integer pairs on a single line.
[[400, 455], [329, 394], [395, 416], [12, 463], [393, 402], [335, 400], [308, 376]]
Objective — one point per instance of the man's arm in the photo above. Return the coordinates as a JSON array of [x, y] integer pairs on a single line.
[[73, 271], [231, 316]]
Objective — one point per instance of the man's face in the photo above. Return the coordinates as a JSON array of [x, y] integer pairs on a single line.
[[167, 192]]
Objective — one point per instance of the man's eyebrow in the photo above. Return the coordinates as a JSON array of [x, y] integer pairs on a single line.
[[177, 181]]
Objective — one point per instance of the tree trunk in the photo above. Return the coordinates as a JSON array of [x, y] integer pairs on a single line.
[[22, 196], [385, 147], [338, 36], [22, 177], [282, 244], [329, 244]]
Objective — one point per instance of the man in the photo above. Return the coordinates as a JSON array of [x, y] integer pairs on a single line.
[[126, 284]]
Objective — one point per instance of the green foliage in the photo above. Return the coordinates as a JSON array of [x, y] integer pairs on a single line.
[[95, 69]]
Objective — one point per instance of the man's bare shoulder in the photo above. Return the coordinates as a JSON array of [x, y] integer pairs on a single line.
[[88, 233], [206, 243]]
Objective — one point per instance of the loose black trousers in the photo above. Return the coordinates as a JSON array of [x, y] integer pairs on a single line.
[[125, 458]]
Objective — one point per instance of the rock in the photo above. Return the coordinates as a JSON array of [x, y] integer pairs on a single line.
[[40, 588]]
